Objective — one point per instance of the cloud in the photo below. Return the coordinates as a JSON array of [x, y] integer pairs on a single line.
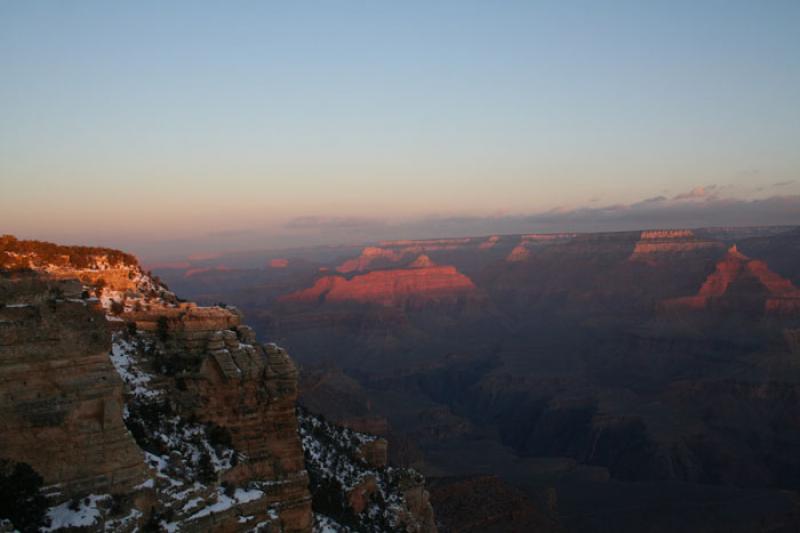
[[322, 222], [783, 183], [697, 192], [227, 234], [652, 200], [701, 207], [681, 210]]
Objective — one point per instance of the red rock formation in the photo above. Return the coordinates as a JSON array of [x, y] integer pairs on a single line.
[[249, 390], [60, 397], [783, 296], [203, 270], [375, 453], [389, 253], [256, 402], [359, 496], [369, 256], [396, 287], [279, 263], [519, 253], [423, 261], [489, 243], [522, 251], [668, 242]]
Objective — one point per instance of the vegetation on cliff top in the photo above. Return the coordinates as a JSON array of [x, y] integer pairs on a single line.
[[56, 254]]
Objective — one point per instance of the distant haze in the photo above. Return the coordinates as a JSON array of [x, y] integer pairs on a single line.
[[176, 128]]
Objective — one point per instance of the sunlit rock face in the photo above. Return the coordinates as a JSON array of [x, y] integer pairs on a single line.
[[656, 245], [779, 295], [279, 263], [519, 253], [396, 253], [528, 243], [61, 400], [416, 286], [489, 243], [370, 256], [423, 261], [109, 385]]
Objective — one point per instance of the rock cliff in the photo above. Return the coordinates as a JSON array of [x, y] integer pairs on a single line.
[[527, 243], [143, 411], [419, 285], [767, 290], [352, 486], [396, 253], [656, 245], [115, 389], [61, 400]]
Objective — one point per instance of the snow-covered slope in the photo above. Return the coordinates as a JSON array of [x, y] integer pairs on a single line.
[[349, 493]]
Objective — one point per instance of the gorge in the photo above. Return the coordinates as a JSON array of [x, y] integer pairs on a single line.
[[594, 373]]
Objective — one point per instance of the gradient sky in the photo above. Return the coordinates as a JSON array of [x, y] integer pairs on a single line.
[[151, 124]]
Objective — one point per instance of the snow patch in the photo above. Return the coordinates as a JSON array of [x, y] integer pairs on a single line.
[[87, 513]]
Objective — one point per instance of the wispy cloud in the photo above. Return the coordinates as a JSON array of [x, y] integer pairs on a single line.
[[702, 206], [313, 222], [699, 207], [697, 192]]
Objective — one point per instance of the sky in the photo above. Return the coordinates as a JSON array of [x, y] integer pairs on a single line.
[[176, 127]]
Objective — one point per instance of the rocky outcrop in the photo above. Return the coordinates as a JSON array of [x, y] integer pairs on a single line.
[[148, 412], [389, 254], [656, 245], [370, 257], [527, 243], [353, 489], [217, 374], [777, 295], [61, 400], [110, 385], [519, 253], [489, 243], [423, 261], [417, 286]]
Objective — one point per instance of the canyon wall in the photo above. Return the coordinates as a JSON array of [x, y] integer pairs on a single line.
[[418, 285], [61, 400], [142, 411]]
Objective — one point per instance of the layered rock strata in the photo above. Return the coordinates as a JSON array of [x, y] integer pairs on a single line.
[[528, 243], [211, 442], [779, 295], [61, 400], [655, 245], [415, 286]]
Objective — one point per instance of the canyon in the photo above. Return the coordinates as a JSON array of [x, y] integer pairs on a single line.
[[588, 374]]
